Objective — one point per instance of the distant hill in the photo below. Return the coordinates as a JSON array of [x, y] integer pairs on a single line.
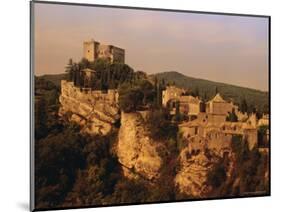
[[254, 98], [54, 78]]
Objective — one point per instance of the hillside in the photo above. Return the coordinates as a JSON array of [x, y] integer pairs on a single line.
[[54, 78], [207, 88]]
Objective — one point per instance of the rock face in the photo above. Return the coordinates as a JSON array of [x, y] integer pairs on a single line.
[[192, 177], [94, 111], [136, 151]]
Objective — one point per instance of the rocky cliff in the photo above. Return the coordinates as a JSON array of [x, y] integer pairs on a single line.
[[138, 154], [96, 112], [192, 176]]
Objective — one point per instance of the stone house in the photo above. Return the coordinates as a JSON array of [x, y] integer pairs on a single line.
[[188, 105], [89, 76], [217, 109]]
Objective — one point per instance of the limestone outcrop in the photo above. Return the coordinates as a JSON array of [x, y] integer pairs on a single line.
[[94, 111], [192, 176], [138, 154]]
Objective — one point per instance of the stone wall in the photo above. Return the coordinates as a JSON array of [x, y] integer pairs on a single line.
[[118, 55], [219, 108], [95, 111], [89, 96]]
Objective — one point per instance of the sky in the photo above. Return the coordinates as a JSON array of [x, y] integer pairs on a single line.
[[222, 48]]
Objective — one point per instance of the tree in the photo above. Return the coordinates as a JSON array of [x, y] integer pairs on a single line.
[[265, 109], [76, 71], [159, 125], [205, 97], [40, 117], [196, 93], [69, 70], [262, 136], [177, 115], [163, 82], [259, 114], [147, 89], [216, 90], [130, 98], [232, 117], [244, 106], [217, 175], [156, 90], [84, 63]]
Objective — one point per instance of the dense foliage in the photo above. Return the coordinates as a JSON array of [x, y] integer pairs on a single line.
[[250, 168], [106, 75], [46, 106], [58, 157]]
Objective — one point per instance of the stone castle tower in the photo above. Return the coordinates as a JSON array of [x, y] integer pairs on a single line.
[[94, 50]]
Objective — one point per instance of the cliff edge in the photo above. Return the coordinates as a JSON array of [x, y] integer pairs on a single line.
[[95, 111]]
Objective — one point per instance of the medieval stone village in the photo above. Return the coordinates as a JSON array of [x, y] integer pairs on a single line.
[[206, 125], [166, 139]]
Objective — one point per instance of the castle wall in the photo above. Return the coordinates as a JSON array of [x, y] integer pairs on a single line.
[[90, 96], [118, 55], [105, 52]]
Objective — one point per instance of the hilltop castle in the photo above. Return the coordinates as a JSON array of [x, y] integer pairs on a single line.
[[94, 50]]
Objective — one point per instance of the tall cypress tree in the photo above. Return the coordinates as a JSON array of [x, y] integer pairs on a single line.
[[244, 106]]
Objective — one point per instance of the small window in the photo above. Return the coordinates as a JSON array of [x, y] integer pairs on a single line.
[[196, 130]]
